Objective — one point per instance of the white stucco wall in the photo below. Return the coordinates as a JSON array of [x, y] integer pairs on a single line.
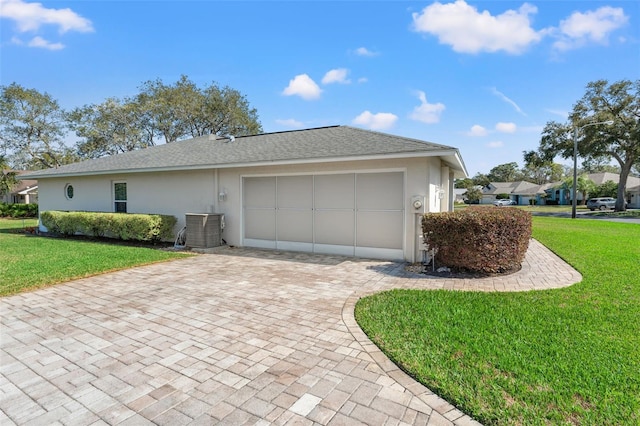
[[172, 193], [178, 193], [418, 171]]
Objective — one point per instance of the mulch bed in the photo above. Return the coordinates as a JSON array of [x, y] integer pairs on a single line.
[[158, 245], [419, 268]]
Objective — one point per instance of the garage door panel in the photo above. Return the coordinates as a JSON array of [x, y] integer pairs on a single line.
[[380, 229], [380, 191], [260, 192], [334, 191], [358, 214], [260, 224], [295, 225], [334, 227], [295, 192]]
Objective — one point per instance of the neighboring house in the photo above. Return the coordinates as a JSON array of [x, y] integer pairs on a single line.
[[555, 192], [24, 192], [634, 197], [338, 189], [520, 192], [458, 194]]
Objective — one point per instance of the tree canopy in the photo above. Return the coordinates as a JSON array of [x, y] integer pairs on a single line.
[[507, 172], [162, 112], [183, 110], [539, 169], [33, 127], [620, 141], [111, 127]]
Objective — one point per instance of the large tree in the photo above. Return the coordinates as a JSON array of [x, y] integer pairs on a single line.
[[464, 183], [111, 127], [184, 110], [32, 127], [507, 172], [480, 179], [162, 113], [540, 170], [620, 141]]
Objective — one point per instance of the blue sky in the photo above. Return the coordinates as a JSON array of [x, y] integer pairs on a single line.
[[483, 76]]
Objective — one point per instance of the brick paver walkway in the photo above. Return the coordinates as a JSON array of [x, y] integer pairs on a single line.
[[237, 337]]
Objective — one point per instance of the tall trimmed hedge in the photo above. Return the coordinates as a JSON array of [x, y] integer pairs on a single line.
[[125, 226], [479, 239]]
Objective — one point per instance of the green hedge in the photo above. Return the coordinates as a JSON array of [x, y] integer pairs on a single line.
[[18, 210], [480, 239], [125, 226]]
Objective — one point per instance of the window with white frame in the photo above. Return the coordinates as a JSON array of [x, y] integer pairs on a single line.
[[120, 197]]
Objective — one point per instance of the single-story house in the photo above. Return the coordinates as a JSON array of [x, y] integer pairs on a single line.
[[521, 192], [338, 189], [458, 194], [24, 192], [634, 197], [559, 195]]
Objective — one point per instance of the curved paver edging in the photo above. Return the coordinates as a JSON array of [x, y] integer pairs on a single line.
[[558, 274], [424, 394]]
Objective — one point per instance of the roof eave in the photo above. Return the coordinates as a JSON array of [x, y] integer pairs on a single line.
[[450, 156]]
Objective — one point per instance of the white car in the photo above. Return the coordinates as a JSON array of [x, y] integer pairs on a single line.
[[501, 203]]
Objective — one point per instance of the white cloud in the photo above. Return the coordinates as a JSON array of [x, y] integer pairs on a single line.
[[363, 80], [31, 16], [363, 51], [560, 113], [379, 121], [338, 75], [477, 130], [592, 26], [302, 85], [507, 100], [44, 44], [426, 112], [290, 123], [506, 127], [467, 30], [495, 144]]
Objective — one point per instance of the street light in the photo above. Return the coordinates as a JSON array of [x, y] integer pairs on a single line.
[[574, 198]]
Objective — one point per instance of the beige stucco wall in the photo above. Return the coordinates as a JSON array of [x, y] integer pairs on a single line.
[[178, 193]]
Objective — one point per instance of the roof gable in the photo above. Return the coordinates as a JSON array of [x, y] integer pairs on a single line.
[[310, 145]]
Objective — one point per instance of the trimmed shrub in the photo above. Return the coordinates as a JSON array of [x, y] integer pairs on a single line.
[[479, 239], [18, 210], [124, 226]]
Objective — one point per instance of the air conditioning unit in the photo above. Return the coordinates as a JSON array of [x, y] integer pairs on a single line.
[[204, 230]]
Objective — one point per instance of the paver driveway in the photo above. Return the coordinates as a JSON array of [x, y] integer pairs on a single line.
[[238, 337]]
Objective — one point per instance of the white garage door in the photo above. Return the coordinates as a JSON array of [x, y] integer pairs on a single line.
[[354, 214]]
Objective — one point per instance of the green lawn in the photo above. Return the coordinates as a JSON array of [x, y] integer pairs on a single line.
[[29, 262], [560, 209], [568, 356]]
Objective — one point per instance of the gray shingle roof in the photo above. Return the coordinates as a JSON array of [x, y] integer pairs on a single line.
[[515, 188], [318, 144]]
